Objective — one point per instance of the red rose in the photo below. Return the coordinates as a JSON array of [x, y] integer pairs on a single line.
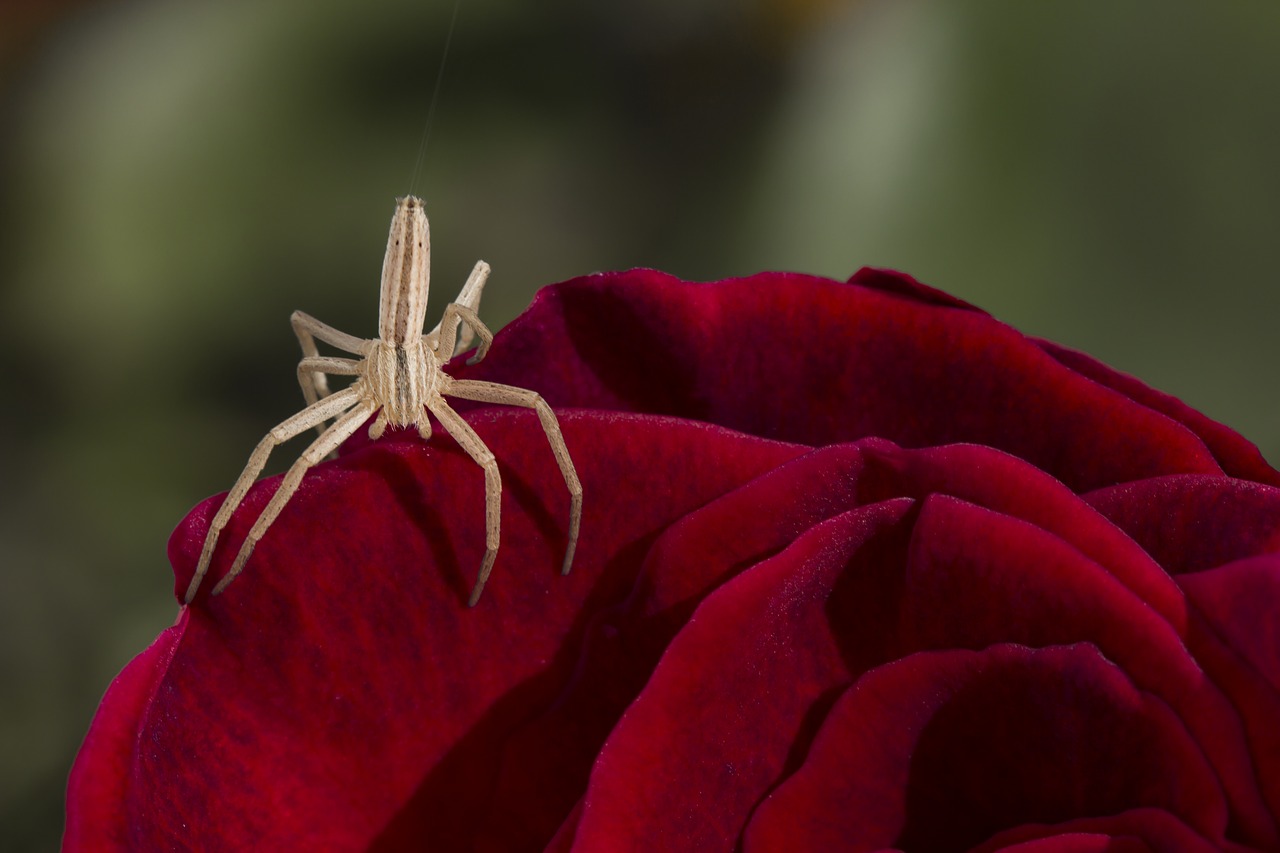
[[860, 568]]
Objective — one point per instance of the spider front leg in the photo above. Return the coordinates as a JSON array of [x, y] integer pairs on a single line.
[[475, 448], [312, 377], [340, 431], [314, 384], [454, 315], [468, 297], [508, 395], [316, 413]]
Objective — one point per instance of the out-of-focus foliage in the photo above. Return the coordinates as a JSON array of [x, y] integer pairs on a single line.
[[175, 178]]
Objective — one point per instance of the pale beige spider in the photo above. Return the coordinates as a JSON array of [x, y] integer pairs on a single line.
[[398, 376]]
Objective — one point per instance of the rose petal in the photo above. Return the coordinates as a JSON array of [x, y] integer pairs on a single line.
[[1237, 456], [1008, 485], [880, 364], [931, 752], [1256, 700], [562, 841], [1191, 523], [892, 281], [722, 712], [623, 644], [760, 518], [1081, 843], [109, 747], [1161, 832], [977, 578], [1239, 601], [342, 677]]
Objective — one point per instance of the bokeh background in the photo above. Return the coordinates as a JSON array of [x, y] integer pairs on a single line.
[[176, 177]]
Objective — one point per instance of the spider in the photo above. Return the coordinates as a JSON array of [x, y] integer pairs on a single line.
[[398, 377]]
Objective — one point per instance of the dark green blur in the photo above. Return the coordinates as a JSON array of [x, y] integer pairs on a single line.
[[176, 178]]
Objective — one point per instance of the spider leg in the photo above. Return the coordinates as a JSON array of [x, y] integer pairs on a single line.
[[507, 395], [455, 315], [308, 328], [475, 448], [301, 422], [468, 297], [313, 368], [315, 386], [314, 383], [474, 287], [339, 432]]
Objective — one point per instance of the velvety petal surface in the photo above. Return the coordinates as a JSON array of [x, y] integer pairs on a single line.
[[736, 689], [759, 519], [885, 361], [98, 786], [976, 578], [1239, 602], [1191, 523], [1159, 831], [1082, 843], [931, 753], [341, 679], [1237, 457]]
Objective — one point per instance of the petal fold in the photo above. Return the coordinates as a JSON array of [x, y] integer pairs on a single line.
[[930, 753]]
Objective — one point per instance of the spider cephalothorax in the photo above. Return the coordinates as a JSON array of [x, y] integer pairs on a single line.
[[398, 378]]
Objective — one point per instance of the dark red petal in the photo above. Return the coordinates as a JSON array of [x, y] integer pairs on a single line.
[[978, 474], [1237, 635], [562, 841], [1190, 523], [760, 518], [1159, 830], [1237, 456], [892, 281], [96, 786], [716, 723], [342, 678], [1241, 601], [976, 578], [875, 363], [1081, 843], [1000, 482], [933, 752], [1256, 700], [624, 643]]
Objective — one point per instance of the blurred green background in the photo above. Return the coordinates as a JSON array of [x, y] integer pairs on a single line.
[[176, 177]]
